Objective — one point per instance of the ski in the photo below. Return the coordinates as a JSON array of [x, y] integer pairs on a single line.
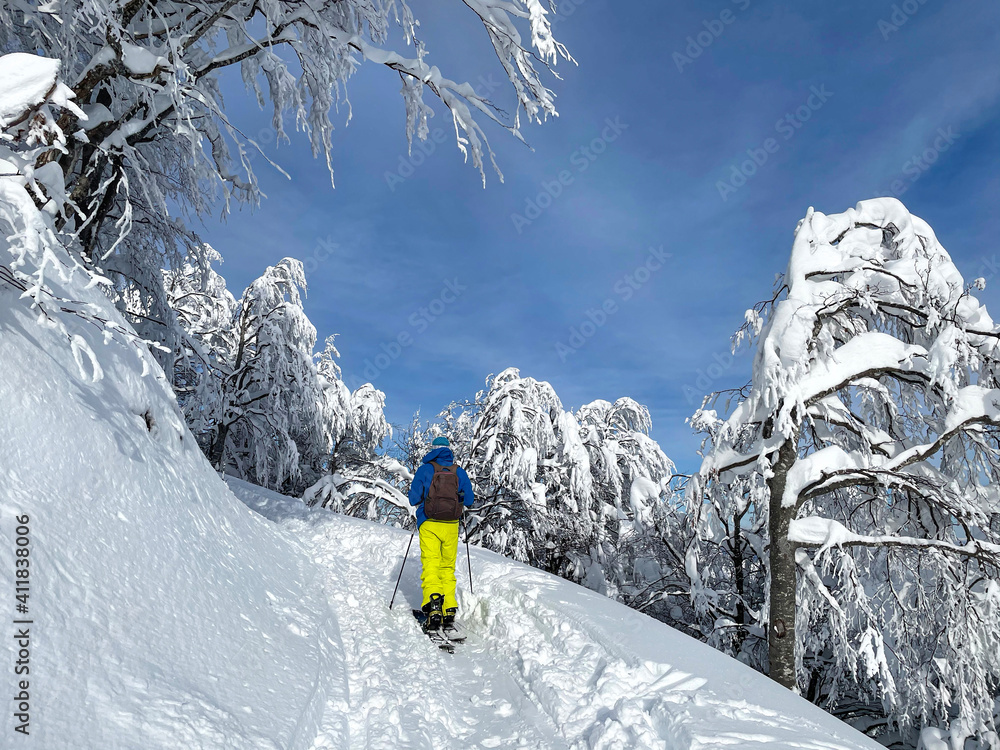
[[438, 639], [453, 635]]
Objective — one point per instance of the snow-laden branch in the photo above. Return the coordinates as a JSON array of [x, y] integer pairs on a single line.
[[825, 533], [155, 135]]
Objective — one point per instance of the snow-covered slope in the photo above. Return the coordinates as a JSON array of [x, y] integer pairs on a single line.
[[168, 615], [165, 613]]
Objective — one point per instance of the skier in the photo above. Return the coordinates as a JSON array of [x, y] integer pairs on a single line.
[[439, 489]]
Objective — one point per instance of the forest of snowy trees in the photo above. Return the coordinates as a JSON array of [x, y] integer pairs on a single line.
[[865, 447], [584, 494], [843, 531]]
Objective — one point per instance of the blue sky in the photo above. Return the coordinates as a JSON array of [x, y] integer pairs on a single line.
[[437, 257]]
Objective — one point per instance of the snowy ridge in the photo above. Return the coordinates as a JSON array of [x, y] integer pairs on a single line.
[[548, 664]]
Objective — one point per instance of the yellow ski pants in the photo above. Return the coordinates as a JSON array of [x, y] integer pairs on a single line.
[[438, 554]]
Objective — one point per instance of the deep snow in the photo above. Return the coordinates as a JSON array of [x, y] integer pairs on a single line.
[[28, 79], [166, 614]]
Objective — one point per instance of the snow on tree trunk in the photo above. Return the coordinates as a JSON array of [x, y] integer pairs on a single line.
[[871, 425]]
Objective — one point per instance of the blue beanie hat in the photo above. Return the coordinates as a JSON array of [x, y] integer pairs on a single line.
[[441, 441]]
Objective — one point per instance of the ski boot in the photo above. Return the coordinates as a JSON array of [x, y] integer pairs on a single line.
[[448, 621], [435, 616]]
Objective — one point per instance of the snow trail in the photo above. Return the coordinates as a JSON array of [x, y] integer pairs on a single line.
[[402, 691], [547, 664]]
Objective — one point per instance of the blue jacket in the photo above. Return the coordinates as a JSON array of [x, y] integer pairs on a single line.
[[421, 483]]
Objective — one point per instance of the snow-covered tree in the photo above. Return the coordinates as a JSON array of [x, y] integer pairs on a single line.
[[369, 425], [620, 451], [411, 443], [636, 547], [156, 134], [245, 375], [204, 310], [264, 406], [869, 438], [356, 479], [725, 562], [34, 265], [586, 496], [348, 473], [514, 440], [507, 439], [335, 417]]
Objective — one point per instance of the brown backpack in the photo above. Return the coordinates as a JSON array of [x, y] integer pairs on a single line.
[[442, 502]]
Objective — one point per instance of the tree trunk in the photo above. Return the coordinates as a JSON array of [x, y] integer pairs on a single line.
[[215, 456], [781, 628], [739, 582]]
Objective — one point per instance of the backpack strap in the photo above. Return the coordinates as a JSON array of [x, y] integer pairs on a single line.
[[447, 469]]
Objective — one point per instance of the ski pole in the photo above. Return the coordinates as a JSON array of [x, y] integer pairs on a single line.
[[405, 554], [468, 556]]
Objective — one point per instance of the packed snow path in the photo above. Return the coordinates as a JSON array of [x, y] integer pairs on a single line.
[[547, 664]]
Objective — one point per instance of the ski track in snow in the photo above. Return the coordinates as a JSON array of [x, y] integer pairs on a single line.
[[404, 691], [540, 669]]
